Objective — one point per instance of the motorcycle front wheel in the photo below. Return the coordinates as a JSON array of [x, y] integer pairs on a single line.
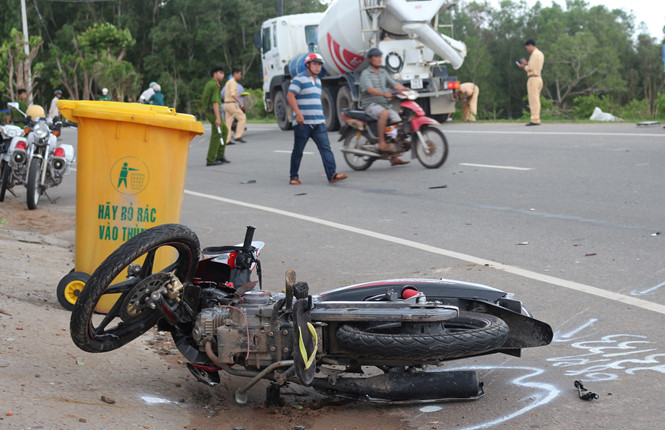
[[130, 316], [467, 335], [34, 190], [5, 177], [434, 152], [357, 162]]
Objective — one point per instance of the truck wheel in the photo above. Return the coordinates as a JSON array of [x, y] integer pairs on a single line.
[[283, 113], [329, 111], [344, 101]]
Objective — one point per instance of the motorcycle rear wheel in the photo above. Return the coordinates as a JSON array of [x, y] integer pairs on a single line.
[[34, 190], [96, 333], [4, 179], [357, 162], [434, 153], [467, 335]]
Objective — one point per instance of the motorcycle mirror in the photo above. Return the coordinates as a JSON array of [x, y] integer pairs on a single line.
[[13, 105]]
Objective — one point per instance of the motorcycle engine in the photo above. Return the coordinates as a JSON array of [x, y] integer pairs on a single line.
[[246, 333]]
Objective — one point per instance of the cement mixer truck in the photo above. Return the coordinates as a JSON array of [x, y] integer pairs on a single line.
[[414, 51]]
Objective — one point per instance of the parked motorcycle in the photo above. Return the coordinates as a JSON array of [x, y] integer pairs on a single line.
[[8, 133], [416, 133], [370, 341], [38, 162]]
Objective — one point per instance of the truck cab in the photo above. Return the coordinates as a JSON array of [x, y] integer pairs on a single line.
[[282, 39]]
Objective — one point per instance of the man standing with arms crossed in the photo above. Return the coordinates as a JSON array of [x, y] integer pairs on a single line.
[[211, 104], [534, 83], [304, 97]]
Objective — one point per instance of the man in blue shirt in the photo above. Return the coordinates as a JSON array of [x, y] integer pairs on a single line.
[[304, 97]]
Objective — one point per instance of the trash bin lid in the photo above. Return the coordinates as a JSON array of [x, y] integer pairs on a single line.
[[158, 116]]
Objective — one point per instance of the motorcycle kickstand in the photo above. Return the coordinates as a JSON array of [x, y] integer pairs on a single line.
[[273, 398], [49, 198]]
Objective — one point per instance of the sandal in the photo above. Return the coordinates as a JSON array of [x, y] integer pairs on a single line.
[[338, 177], [295, 181]]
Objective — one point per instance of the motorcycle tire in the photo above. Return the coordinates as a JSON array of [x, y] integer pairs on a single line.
[[357, 162], [70, 287], [467, 335], [34, 190], [434, 153], [111, 331], [4, 179]]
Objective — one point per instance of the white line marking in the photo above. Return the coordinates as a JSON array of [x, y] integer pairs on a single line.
[[557, 133], [576, 286], [281, 151], [491, 166]]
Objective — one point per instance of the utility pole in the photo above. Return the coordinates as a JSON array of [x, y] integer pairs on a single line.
[[26, 48], [280, 7]]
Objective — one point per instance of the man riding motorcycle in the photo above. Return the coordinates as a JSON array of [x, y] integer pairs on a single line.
[[376, 87]]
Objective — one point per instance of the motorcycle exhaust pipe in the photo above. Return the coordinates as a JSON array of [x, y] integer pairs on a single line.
[[360, 152], [404, 387]]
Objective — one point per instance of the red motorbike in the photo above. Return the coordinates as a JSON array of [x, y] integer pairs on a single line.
[[378, 341], [415, 132]]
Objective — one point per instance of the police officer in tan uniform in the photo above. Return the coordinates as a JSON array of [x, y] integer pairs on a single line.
[[534, 83], [468, 93], [233, 105]]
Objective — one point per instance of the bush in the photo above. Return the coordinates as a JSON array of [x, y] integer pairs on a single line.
[[660, 107], [255, 103], [637, 110]]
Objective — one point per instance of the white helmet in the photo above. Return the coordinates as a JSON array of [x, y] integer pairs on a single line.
[[156, 87], [105, 91]]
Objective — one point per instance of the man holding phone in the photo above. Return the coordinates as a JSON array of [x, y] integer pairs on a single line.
[[534, 83]]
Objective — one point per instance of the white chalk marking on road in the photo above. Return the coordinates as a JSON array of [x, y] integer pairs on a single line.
[[576, 286], [491, 166], [557, 133], [649, 291]]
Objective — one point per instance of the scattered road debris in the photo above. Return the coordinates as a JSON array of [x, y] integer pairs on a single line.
[[589, 395], [438, 186]]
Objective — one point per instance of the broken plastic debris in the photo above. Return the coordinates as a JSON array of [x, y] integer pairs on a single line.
[[523, 243], [250, 181], [655, 234], [438, 186], [430, 408]]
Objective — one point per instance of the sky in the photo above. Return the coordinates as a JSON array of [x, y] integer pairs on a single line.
[[652, 12]]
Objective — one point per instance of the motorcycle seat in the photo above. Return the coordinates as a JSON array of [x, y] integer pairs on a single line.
[[358, 114]]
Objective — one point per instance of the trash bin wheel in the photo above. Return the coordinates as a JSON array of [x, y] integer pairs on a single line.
[[69, 288], [130, 317]]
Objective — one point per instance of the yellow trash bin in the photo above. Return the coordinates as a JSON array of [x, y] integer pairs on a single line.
[[130, 176]]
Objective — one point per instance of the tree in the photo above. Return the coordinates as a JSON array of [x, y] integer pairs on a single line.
[[20, 69]]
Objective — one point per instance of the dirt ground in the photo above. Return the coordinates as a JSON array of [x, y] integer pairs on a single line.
[[47, 383]]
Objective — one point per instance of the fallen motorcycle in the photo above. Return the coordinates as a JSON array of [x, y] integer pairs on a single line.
[[377, 341], [415, 132]]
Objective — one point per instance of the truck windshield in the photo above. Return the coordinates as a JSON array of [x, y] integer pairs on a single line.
[[266, 39]]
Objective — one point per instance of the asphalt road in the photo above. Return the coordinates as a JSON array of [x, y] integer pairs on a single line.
[[568, 217]]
